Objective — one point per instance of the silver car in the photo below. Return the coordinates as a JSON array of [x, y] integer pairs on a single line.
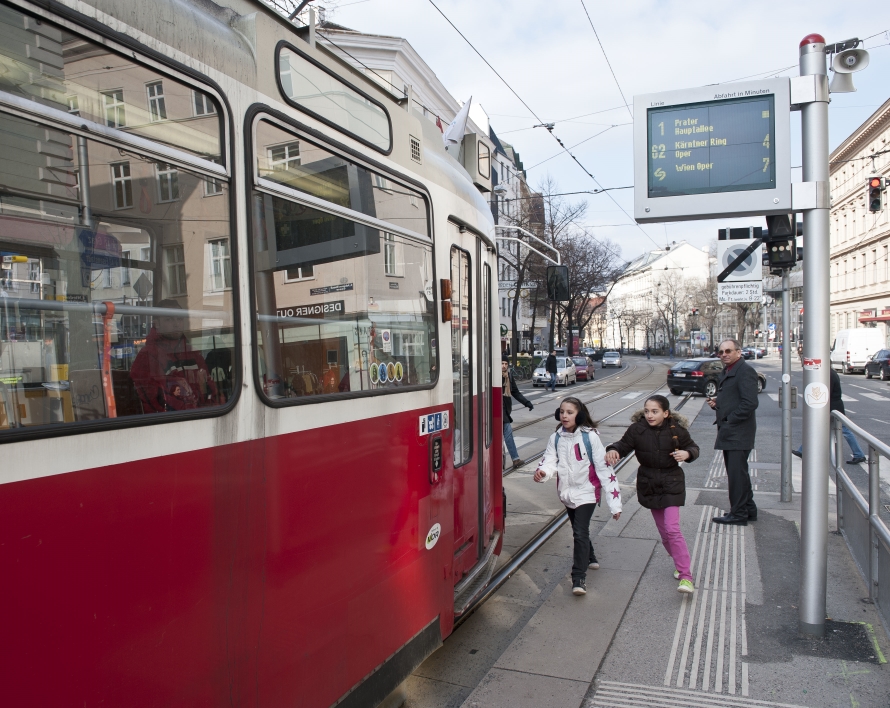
[[565, 373], [612, 359]]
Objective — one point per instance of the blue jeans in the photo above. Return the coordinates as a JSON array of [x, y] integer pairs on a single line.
[[851, 441], [510, 442], [552, 384]]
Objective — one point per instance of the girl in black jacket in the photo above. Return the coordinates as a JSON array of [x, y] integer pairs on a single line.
[[661, 441]]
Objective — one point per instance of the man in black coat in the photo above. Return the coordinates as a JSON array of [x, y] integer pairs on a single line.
[[736, 428], [550, 368]]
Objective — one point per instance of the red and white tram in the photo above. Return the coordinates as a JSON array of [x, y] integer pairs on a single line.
[[251, 441]]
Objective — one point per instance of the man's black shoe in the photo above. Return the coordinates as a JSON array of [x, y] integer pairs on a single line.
[[797, 453], [856, 460], [731, 519]]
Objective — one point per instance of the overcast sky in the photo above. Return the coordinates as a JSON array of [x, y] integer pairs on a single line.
[[548, 53]]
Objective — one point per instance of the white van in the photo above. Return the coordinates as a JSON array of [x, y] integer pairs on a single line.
[[853, 347]]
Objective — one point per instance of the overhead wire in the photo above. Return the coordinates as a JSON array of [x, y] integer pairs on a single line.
[[608, 63], [538, 118]]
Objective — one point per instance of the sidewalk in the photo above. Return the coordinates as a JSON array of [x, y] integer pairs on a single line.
[[634, 641]]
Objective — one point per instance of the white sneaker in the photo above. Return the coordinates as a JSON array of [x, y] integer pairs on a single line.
[[676, 575], [595, 565]]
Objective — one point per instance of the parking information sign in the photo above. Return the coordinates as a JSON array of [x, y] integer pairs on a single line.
[[713, 151], [715, 146], [745, 282]]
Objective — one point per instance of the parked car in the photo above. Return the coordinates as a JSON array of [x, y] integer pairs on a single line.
[[879, 365], [583, 368], [700, 375], [852, 348], [565, 373], [752, 352], [611, 359]]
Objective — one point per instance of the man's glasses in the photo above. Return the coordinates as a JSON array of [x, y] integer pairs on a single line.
[[721, 352]]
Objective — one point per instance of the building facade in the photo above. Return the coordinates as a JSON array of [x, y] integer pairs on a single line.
[[860, 239], [651, 302]]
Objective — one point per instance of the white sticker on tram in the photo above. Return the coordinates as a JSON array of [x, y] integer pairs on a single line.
[[433, 536], [433, 423]]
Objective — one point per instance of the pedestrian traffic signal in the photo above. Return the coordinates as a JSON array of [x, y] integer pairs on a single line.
[[756, 332], [875, 193], [694, 311]]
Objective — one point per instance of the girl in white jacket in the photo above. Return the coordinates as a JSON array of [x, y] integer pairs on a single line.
[[578, 458]]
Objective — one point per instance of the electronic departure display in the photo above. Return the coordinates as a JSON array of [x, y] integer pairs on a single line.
[[712, 147]]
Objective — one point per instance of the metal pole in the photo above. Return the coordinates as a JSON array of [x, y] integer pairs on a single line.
[[814, 496], [874, 511], [786, 388], [765, 329]]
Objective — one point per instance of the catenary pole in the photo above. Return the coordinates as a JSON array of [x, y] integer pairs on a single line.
[[786, 388], [814, 496]]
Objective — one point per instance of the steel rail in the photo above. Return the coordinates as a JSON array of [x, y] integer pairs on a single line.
[[596, 398]]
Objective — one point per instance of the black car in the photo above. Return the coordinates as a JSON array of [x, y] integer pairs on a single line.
[[879, 365], [700, 376]]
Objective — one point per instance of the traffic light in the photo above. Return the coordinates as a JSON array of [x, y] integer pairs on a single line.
[[694, 311], [782, 253], [756, 332], [779, 243], [875, 193]]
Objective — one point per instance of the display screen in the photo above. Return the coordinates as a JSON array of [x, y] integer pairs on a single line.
[[712, 147]]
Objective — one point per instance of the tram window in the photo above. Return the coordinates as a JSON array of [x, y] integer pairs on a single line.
[[165, 268], [291, 160], [461, 356], [329, 98], [484, 160], [56, 68], [332, 324]]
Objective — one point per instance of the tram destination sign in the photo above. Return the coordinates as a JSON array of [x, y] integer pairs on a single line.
[[714, 151]]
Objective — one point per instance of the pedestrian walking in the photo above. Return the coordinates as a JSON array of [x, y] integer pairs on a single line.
[[648, 356], [550, 368], [661, 441], [672, 353], [578, 459], [836, 403], [736, 428], [509, 391]]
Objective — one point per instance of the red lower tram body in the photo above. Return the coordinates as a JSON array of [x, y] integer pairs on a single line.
[[281, 571]]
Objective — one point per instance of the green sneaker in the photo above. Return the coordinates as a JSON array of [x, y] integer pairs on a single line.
[[686, 586], [676, 575]]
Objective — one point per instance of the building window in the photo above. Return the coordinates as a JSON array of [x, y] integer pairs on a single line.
[[174, 265], [115, 111], [212, 186], [122, 185], [157, 106], [390, 262], [125, 268], [203, 104], [168, 183], [284, 157], [220, 265], [294, 275]]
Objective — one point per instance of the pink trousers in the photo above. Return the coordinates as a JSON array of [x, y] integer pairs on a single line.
[[668, 523]]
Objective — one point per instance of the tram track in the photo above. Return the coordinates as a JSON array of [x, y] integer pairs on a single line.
[[596, 398], [600, 398], [552, 525]]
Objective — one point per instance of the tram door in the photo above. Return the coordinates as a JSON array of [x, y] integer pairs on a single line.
[[471, 390]]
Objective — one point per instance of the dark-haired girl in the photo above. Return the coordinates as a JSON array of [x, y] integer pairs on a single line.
[[661, 441], [577, 457]]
